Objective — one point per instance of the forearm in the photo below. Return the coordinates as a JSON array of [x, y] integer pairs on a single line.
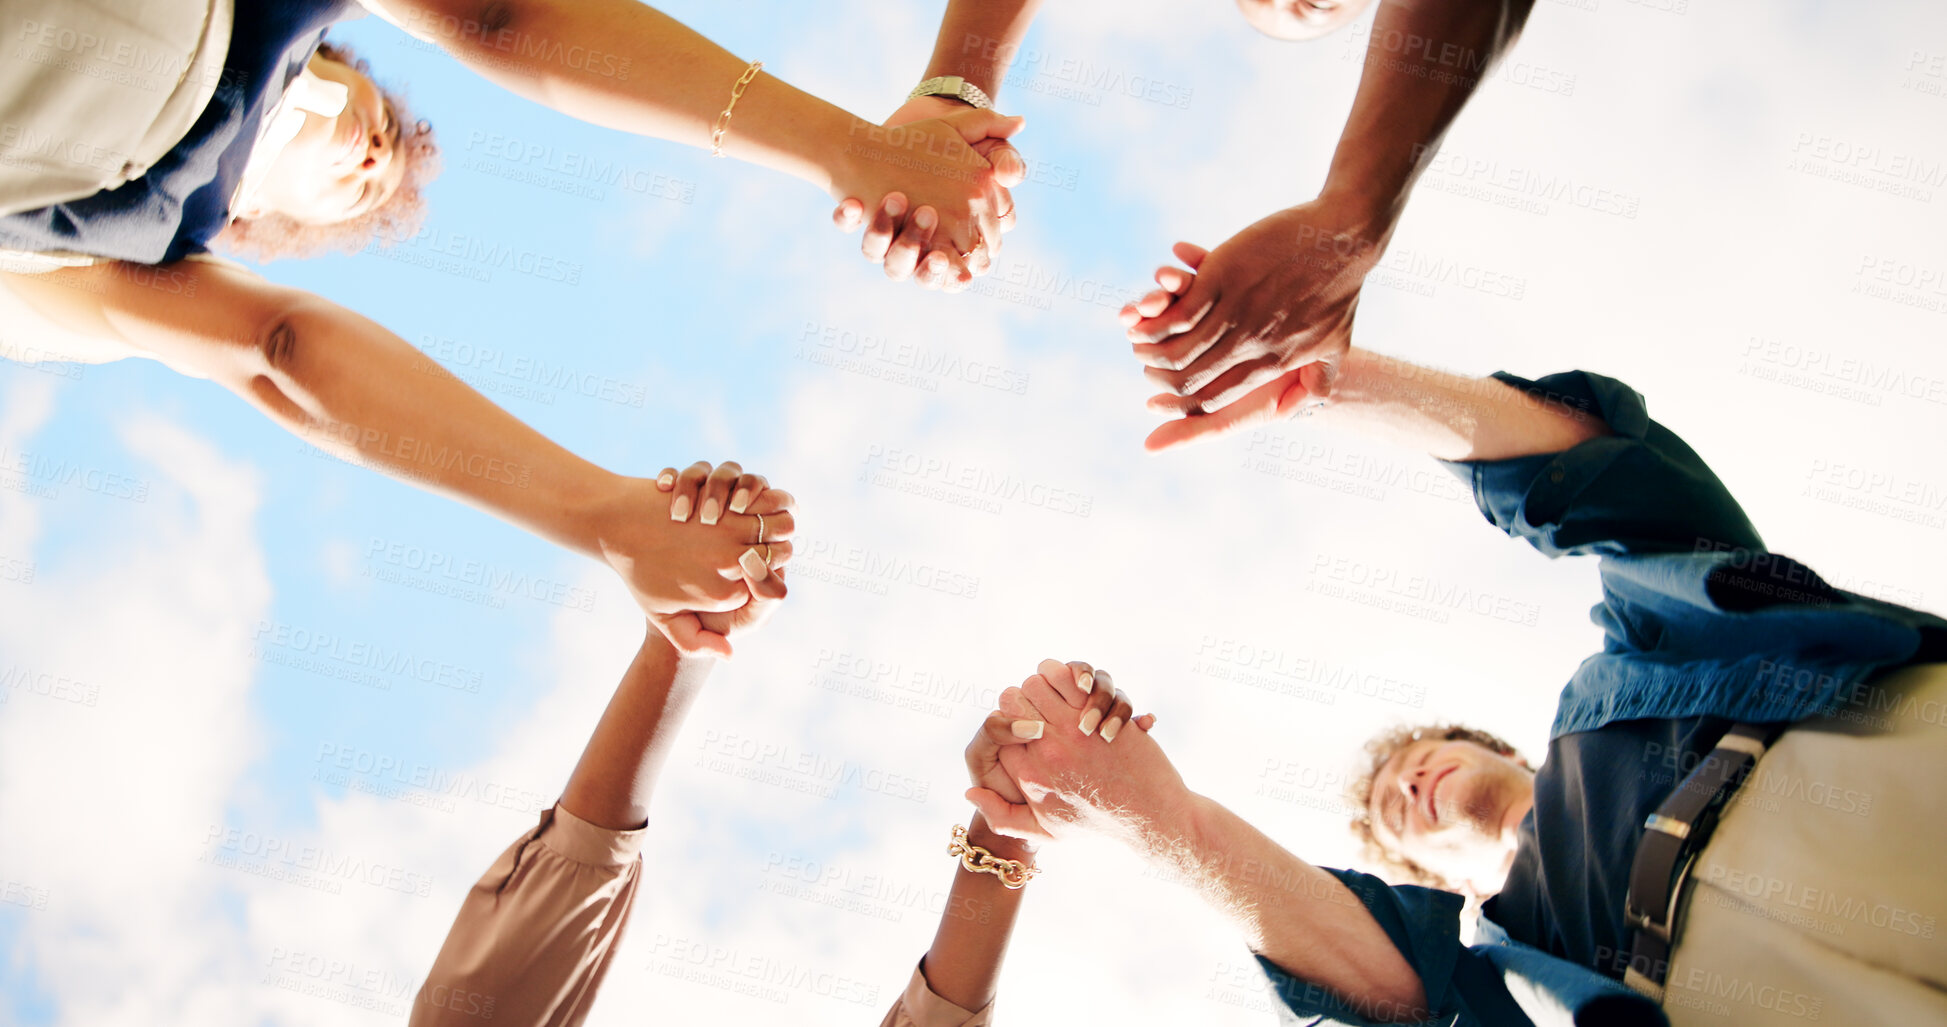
[[347, 385], [628, 66], [1451, 416], [979, 39], [1292, 913], [964, 964], [612, 783], [1424, 60]]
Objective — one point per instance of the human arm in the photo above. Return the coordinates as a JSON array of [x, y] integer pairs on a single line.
[[977, 41], [1282, 293], [625, 65], [1298, 916], [963, 965], [350, 387]]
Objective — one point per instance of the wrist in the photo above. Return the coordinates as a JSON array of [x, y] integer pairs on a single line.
[[1364, 215], [981, 833], [601, 511]]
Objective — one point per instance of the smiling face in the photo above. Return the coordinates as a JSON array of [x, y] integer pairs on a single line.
[[336, 168], [1299, 19], [1452, 807]]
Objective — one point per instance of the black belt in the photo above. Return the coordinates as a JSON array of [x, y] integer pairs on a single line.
[[1672, 837]]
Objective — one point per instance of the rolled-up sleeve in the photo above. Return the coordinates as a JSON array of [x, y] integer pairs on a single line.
[[536, 935], [1499, 984], [1638, 490], [918, 1006]]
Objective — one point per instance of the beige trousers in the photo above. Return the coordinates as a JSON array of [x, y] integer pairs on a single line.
[[1822, 896]]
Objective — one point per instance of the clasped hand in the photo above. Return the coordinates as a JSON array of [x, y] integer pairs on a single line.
[[938, 173], [1256, 328], [1054, 759], [702, 551]]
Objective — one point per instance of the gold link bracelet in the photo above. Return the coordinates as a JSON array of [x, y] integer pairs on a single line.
[[1013, 873], [736, 93]]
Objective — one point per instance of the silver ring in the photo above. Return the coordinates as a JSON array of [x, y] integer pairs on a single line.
[[759, 540], [767, 554]]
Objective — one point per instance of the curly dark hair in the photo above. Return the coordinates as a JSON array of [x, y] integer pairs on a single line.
[[1381, 749], [275, 236]]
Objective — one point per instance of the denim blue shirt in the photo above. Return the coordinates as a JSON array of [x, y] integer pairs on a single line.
[[1702, 628]]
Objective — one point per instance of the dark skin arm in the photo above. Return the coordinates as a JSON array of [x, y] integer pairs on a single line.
[[1279, 297]]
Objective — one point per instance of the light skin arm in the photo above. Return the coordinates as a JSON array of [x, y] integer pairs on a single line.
[[1294, 914], [625, 65], [979, 39], [345, 384], [1450, 416]]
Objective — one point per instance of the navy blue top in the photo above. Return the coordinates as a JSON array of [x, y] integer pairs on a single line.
[[1703, 628], [184, 200]]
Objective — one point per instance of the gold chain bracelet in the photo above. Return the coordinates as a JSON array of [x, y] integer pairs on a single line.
[[736, 93], [1014, 873]]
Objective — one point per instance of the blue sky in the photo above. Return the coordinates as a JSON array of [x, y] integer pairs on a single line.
[[1721, 208]]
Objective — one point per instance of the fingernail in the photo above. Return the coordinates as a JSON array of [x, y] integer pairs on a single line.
[[925, 219], [896, 206], [711, 510], [1089, 720], [680, 509], [739, 501], [754, 566], [1028, 728], [668, 478], [1086, 679], [1111, 729]]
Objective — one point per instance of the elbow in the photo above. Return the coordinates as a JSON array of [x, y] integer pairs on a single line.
[[285, 345]]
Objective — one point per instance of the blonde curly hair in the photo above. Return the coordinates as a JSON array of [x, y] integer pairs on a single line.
[[1378, 751], [276, 236]]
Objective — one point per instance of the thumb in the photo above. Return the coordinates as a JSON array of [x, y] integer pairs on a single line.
[[685, 632], [1313, 382], [975, 125], [1010, 819]]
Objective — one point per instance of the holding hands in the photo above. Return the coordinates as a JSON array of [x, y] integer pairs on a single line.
[[936, 177], [702, 551], [1055, 758], [1270, 308]]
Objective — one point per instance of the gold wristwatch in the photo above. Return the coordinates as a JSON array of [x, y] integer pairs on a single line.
[[954, 86]]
